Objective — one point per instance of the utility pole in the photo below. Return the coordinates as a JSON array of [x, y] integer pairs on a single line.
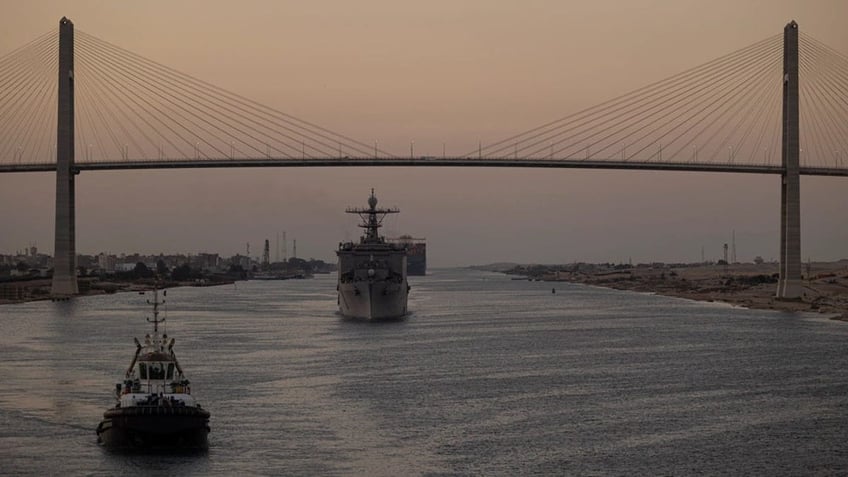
[[733, 248]]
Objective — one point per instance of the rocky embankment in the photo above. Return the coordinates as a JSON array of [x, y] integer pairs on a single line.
[[749, 285]]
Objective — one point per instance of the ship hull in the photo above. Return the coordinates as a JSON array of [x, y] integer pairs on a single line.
[[155, 428], [416, 265], [373, 301]]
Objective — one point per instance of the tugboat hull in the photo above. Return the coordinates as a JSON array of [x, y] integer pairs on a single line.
[[151, 428]]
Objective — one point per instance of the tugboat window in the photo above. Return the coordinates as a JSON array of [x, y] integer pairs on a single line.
[[170, 370], [157, 371], [142, 370]]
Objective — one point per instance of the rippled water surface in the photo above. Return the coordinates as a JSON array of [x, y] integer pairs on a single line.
[[488, 376]]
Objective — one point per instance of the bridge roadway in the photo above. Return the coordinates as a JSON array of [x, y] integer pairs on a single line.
[[425, 161]]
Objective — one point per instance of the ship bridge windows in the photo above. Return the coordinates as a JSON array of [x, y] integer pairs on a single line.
[[156, 370]]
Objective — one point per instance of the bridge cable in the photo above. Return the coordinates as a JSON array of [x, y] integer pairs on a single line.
[[649, 89], [170, 86], [831, 69], [136, 103], [675, 98], [233, 99], [22, 101], [817, 92], [671, 96], [179, 99]]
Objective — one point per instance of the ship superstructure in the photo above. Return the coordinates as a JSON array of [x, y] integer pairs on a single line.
[[372, 282]]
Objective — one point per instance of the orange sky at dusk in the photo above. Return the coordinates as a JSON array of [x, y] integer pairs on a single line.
[[437, 73]]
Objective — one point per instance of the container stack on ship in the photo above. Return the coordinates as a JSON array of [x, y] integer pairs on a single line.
[[372, 281], [416, 254]]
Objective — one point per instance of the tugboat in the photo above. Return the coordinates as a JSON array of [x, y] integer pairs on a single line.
[[372, 281], [155, 409]]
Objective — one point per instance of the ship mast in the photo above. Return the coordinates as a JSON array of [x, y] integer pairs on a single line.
[[372, 219]]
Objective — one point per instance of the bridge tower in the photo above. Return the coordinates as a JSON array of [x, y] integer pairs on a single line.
[[789, 285], [65, 256]]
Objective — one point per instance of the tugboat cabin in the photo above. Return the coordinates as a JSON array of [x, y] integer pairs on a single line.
[[156, 370], [154, 379]]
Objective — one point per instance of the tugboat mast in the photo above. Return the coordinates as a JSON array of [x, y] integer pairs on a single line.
[[156, 319]]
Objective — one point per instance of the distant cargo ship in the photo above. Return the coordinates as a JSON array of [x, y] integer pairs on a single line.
[[372, 272], [416, 254]]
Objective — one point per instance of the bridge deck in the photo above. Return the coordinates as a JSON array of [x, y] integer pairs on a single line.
[[425, 162]]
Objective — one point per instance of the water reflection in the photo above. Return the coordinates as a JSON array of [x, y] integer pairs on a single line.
[[488, 376]]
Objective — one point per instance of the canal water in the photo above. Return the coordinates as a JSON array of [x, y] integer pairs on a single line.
[[488, 376]]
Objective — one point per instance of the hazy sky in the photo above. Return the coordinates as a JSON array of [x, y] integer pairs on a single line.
[[435, 72]]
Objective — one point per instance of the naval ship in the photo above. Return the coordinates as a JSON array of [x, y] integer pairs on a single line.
[[372, 281]]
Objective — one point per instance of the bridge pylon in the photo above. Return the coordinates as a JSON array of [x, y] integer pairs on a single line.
[[789, 285], [65, 256]]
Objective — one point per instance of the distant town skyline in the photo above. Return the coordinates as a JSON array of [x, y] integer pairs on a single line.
[[440, 74]]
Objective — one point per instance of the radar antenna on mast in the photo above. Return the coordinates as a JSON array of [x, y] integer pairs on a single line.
[[372, 219]]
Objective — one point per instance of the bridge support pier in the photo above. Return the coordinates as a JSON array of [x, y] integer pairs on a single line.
[[790, 285], [65, 256]]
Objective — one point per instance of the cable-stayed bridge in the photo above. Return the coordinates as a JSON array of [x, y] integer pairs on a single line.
[[777, 106]]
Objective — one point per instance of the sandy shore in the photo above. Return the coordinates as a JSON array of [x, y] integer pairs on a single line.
[[749, 285], [35, 290]]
